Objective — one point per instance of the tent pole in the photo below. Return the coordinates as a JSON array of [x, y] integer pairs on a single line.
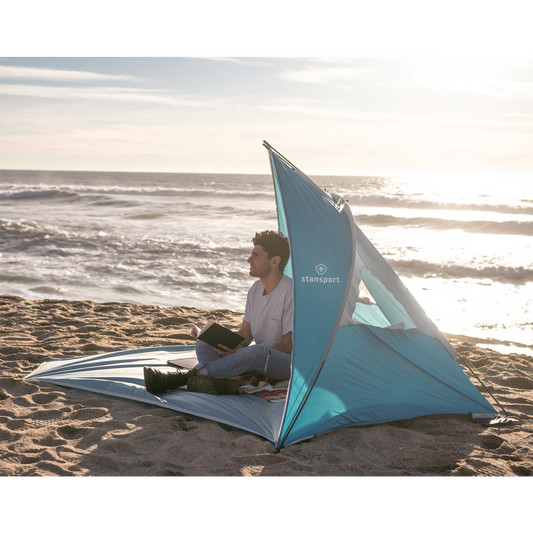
[[479, 379], [281, 156]]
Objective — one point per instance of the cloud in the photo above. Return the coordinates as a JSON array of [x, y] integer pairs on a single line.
[[108, 93], [325, 75], [330, 60], [214, 57], [54, 74], [476, 84]]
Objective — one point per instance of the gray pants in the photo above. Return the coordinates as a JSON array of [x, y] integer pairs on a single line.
[[255, 359]]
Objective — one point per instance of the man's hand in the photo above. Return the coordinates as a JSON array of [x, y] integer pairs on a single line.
[[245, 331], [224, 350], [193, 330]]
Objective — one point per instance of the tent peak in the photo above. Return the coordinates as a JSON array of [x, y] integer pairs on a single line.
[[269, 147]]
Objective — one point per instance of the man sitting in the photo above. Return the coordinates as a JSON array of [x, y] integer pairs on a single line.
[[267, 321]]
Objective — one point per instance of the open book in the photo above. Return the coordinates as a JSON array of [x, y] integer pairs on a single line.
[[214, 334]]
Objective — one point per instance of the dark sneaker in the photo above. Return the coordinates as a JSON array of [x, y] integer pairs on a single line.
[[208, 385]]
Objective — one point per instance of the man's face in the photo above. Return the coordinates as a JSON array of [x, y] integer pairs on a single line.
[[260, 264]]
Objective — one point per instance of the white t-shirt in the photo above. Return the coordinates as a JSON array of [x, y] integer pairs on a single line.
[[270, 315]]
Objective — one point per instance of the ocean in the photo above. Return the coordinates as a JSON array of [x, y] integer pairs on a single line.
[[463, 245]]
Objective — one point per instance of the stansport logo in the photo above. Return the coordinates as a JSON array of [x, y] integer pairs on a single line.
[[320, 269]]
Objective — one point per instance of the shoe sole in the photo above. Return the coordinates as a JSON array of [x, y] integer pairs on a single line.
[[148, 374]]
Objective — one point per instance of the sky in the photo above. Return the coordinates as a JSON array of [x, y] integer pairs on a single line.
[[335, 111]]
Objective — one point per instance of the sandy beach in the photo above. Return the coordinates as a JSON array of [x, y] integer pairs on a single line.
[[51, 431]]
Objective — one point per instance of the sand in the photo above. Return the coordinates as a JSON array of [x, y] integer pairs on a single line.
[[47, 430]]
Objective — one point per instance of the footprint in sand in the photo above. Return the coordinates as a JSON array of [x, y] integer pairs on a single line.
[[519, 383], [44, 398], [492, 442], [68, 432], [89, 413]]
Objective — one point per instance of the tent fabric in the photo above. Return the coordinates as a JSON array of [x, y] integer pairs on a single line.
[[389, 377], [346, 373], [121, 374], [353, 362]]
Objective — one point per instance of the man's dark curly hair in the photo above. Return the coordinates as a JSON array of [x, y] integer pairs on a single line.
[[274, 243]]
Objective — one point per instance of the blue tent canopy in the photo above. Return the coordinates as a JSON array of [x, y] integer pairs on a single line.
[[354, 362]]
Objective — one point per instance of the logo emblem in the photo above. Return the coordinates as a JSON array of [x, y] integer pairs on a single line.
[[321, 269]]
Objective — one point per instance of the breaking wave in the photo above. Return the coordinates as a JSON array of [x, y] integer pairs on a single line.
[[503, 274], [410, 203], [69, 193], [510, 227]]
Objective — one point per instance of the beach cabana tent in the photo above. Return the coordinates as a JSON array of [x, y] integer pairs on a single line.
[[355, 361]]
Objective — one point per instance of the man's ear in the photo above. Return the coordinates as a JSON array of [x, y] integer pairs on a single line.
[[275, 261]]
